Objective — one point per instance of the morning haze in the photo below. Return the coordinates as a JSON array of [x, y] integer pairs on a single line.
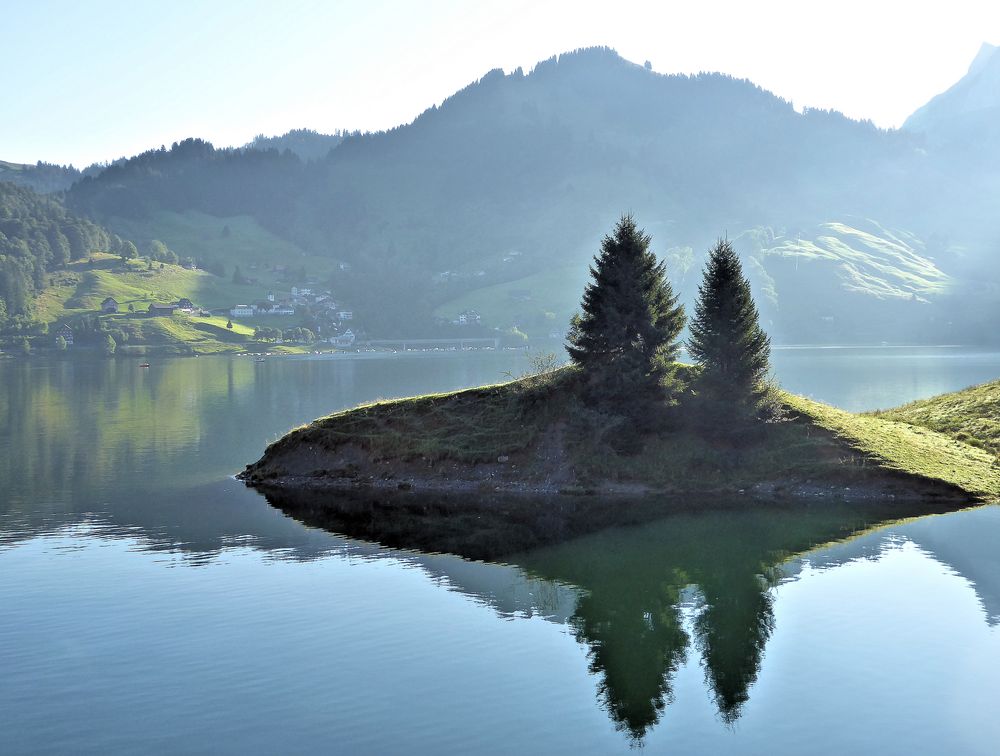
[[449, 378]]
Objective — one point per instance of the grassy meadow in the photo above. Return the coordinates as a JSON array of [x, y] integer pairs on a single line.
[[78, 290]]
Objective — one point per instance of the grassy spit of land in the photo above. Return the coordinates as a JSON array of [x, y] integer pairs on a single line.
[[536, 435]]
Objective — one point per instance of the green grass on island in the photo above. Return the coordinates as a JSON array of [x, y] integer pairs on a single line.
[[537, 430], [971, 416]]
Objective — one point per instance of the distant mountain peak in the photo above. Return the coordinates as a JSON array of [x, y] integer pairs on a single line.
[[973, 95], [982, 59]]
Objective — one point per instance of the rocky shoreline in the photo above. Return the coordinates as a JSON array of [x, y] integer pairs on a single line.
[[492, 479]]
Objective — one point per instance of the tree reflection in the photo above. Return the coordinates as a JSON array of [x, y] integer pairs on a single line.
[[710, 562], [637, 643], [731, 633]]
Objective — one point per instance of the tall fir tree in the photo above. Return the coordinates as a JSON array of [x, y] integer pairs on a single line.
[[626, 338], [727, 341]]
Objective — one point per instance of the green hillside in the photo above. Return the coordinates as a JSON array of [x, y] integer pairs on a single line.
[[908, 448], [866, 258], [800, 279], [75, 295], [971, 416], [85, 284], [237, 240], [538, 303]]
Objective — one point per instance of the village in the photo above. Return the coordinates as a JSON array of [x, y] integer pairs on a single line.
[[140, 307], [301, 316]]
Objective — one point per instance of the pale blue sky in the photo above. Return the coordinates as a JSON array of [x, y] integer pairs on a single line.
[[95, 80]]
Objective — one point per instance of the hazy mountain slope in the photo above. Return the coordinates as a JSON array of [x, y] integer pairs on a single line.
[[975, 97], [41, 177], [852, 281], [568, 147], [534, 168]]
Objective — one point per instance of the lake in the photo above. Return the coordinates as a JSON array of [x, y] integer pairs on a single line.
[[151, 603]]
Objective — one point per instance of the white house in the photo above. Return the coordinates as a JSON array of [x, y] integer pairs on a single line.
[[344, 340], [242, 311], [345, 315], [270, 296]]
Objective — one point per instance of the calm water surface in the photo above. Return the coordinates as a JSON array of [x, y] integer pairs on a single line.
[[149, 603]]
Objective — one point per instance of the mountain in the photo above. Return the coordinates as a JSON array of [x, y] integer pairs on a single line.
[[975, 98], [42, 177], [498, 198]]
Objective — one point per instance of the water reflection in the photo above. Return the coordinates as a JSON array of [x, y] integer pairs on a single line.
[[683, 577], [99, 452]]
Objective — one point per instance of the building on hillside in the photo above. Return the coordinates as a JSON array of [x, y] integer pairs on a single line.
[[185, 304], [66, 333], [242, 311], [468, 317], [161, 310], [109, 305], [345, 315], [275, 309], [270, 296], [344, 340]]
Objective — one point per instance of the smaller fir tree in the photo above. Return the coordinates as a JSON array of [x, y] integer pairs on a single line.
[[728, 342], [626, 338]]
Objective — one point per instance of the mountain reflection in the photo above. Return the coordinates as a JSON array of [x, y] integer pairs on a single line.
[[679, 578]]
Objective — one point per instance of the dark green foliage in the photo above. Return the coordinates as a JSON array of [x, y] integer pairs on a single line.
[[129, 251], [728, 342], [192, 174], [626, 338], [37, 235], [157, 251]]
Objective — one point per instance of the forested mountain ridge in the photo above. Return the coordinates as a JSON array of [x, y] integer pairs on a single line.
[[305, 143], [515, 176], [42, 177]]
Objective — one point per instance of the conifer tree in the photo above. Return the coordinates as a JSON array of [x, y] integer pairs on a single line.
[[626, 337], [727, 340]]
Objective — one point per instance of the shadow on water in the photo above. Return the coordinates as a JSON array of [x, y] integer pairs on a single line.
[[657, 579]]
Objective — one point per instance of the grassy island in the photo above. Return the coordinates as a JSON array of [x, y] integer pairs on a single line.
[[625, 417], [536, 435]]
